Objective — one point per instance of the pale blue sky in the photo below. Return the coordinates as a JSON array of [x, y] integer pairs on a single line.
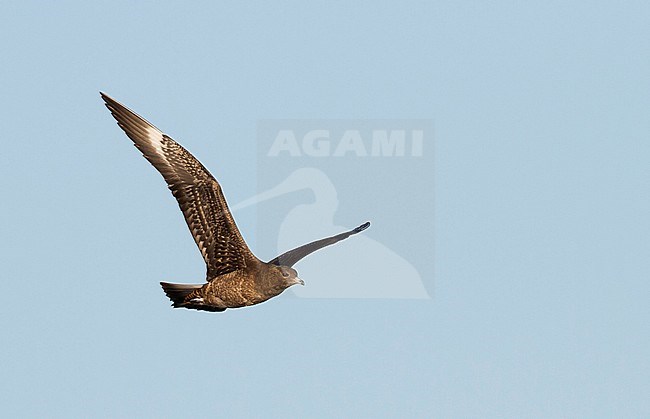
[[541, 265]]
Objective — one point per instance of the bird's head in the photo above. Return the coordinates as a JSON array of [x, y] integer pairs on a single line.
[[283, 277]]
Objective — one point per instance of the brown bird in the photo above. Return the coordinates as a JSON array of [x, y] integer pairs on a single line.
[[235, 277]]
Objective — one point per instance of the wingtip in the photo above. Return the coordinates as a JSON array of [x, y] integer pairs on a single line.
[[107, 99], [362, 227]]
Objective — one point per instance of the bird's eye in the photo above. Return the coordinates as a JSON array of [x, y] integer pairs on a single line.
[[285, 274]]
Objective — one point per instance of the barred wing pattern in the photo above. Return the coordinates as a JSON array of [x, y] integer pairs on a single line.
[[196, 190], [291, 257]]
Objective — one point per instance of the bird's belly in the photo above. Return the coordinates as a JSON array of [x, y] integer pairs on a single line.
[[229, 293]]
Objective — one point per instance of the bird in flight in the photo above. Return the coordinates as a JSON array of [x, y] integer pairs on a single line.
[[235, 277]]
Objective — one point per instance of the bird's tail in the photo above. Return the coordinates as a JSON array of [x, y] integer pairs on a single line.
[[178, 292]]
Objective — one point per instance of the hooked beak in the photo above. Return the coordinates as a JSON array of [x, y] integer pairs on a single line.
[[299, 281]]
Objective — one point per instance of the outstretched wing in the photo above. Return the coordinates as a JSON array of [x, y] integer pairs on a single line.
[[196, 190], [292, 256]]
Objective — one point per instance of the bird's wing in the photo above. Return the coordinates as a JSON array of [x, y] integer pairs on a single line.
[[196, 190], [292, 256]]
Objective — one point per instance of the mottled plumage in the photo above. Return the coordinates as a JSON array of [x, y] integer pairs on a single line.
[[235, 277]]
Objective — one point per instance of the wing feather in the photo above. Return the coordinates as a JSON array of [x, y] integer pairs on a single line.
[[198, 193], [291, 257]]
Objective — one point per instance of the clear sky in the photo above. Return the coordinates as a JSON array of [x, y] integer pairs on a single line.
[[535, 257]]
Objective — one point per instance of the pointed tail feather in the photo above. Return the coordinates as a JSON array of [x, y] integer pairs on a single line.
[[178, 292]]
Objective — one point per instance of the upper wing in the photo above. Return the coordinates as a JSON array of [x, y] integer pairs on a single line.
[[196, 190], [292, 256]]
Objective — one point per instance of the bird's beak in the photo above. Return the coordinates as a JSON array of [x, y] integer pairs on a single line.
[[299, 281]]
